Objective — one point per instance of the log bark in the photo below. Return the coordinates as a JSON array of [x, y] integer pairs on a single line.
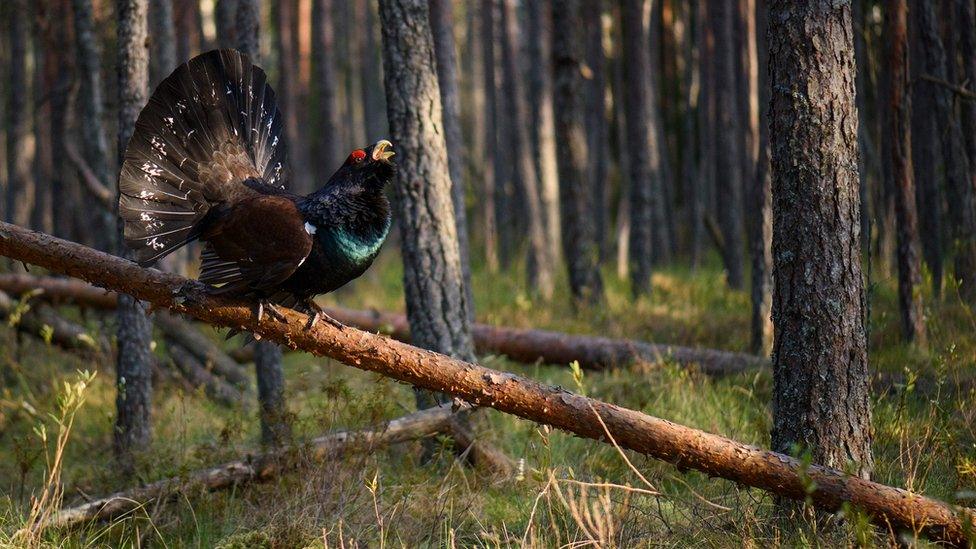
[[203, 349], [890, 507], [199, 376], [259, 467], [524, 345]]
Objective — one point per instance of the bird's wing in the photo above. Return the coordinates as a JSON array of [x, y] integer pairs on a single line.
[[255, 245]]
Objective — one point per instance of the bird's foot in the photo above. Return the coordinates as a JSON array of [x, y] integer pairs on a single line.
[[272, 310], [317, 314]]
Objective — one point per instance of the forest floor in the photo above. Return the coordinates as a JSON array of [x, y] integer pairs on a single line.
[[566, 492]]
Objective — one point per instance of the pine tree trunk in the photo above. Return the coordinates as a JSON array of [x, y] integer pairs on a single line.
[[54, 20], [20, 187], [43, 162], [442, 27], [761, 205], [728, 151], [286, 23], [966, 29], [959, 185], [225, 17], [490, 181], [899, 142], [189, 35], [579, 247], [433, 280], [596, 121], [665, 245], [690, 53], [94, 145], [540, 264], [543, 131], [273, 411], [371, 72], [327, 132], [133, 429], [162, 58], [643, 155], [706, 111], [820, 397]]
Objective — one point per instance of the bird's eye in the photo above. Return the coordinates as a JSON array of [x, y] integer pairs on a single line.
[[357, 156]]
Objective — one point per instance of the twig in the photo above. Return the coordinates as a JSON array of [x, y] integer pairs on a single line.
[[102, 192], [958, 90]]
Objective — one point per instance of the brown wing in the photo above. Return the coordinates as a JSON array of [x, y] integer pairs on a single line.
[[255, 245]]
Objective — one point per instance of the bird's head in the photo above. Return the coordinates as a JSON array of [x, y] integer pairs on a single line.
[[370, 167]]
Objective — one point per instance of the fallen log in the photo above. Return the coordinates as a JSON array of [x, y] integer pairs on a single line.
[[199, 376], [203, 348], [58, 290], [44, 323], [523, 345], [259, 467], [828, 489]]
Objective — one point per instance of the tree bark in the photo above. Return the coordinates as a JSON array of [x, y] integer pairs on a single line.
[[94, 145], [820, 397], [490, 177], [189, 31], [959, 185], [248, 24], [539, 262], [761, 205], [597, 131], [327, 117], [289, 98], [442, 27], [579, 247], [643, 153], [728, 154], [690, 51], [258, 468], [542, 125], [225, 17], [20, 185], [899, 141], [133, 428], [437, 301], [162, 58], [828, 488], [965, 21]]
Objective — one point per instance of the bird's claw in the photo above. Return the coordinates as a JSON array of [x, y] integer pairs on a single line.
[[271, 309], [317, 314]]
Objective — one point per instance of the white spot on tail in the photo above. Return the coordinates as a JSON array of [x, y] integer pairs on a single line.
[[309, 228]]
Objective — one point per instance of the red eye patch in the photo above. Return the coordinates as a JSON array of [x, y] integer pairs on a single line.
[[357, 155]]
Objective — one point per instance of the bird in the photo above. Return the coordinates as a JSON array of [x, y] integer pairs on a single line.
[[207, 162]]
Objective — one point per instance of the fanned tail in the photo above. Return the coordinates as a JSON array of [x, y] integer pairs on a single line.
[[210, 125]]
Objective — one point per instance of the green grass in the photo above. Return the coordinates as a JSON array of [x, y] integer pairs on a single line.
[[924, 440]]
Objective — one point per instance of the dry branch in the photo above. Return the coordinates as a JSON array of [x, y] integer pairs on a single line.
[[258, 468], [103, 193], [199, 376], [203, 348], [523, 345], [39, 318], [682, 446]]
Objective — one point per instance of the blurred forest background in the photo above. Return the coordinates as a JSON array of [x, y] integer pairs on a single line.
[[664, 234]]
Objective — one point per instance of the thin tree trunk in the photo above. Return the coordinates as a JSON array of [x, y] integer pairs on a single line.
[[133, 428], [596, 121], [437, 302], [643, 154], [728, 152], [286, 23], [189, 34], [41, 214], [706, 112], [540, 264], [579, 247], [272, 408], [542, 125], [899, 142], [371, 72], [690, 53], [662, 213], [442, 26], [94, 145], [327, 132], [20, 187], [162, 58], [761, 206], [966, 28], [490, 181], [820, 397], [225, 17], [958, 179]]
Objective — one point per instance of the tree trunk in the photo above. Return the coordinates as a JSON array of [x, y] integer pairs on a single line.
[[665, 245], [543, 137], [225, 17], [248, 25], [761, 206], [596, 121], [289, 99], [706, 112], [94, 145], [134, 357], [820, 397], [579, 247], [540, 264], [643, 154], [189, 33], [20, 186], [442, 27], [827, 488], [371, 73], [490, 177], [959, 185], [966, 28], [689, 50], [162, 58], [437, 302], [327, 152], [899, 142], [728, 152]]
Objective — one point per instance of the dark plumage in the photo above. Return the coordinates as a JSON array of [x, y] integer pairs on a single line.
[[206, 162]]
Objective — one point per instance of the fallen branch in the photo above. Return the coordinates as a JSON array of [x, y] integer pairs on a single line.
[[481, 453], [102, 192], [199, 376], [42, 322], [523, 345], [958, 90], [714, 455], [257, 468], [203, 348]]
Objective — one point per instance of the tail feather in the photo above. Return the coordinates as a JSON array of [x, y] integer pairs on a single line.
[[208, 126]]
